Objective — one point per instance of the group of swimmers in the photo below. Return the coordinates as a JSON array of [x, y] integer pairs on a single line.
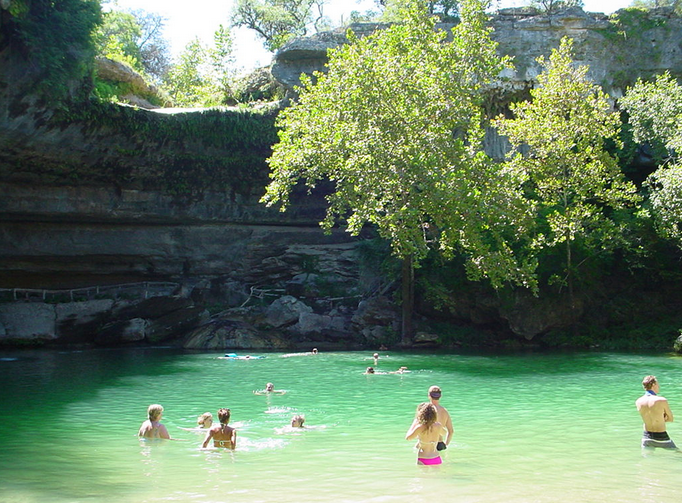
[[222, 434], [432, 425], [431, 428]]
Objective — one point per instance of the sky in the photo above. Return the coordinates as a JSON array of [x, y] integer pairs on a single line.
[[200, 18]]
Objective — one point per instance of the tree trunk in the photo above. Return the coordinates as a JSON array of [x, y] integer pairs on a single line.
[[408, 300], [571, 294]]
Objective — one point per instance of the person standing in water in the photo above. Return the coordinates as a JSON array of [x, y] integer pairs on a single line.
[[222, 435], [443, 417], [427, 430], [655, 412], [152, 427]]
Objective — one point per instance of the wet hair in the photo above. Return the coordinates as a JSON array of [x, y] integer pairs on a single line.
[[370, 370], [648, 382], [427, 414], [206, 419], [154, 411], [297, 421], [224, 416]]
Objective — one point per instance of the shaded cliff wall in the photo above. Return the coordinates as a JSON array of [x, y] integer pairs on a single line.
[[95, 193]]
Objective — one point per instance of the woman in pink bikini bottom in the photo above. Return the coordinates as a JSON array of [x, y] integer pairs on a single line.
[[427, 430]]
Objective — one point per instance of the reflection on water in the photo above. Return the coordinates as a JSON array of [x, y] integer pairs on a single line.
[[528, 427]]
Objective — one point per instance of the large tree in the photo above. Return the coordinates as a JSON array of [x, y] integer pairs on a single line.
[[655, 110], [446, 10], [203, 75], [278, 21], [559, 142], [654, 4], [56, 35], [135, 37], [552, 6], [396, 124]]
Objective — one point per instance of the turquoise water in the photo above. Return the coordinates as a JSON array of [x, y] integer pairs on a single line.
[[528, 428]]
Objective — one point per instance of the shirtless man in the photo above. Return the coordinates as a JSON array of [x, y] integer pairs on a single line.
[[222, 435], [443, 417], [152, 428], [655, 412]]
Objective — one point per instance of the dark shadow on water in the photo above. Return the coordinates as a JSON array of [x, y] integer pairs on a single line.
[[37, 385]]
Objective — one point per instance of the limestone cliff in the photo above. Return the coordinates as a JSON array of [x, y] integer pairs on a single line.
[[618, 49], [94, 193]]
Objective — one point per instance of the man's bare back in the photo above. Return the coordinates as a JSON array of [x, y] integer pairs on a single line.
[[153, 429], [655, 412]]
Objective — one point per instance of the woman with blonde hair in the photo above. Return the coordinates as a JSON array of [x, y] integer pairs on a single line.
[[222, 435], [205, 420], [427, 430]]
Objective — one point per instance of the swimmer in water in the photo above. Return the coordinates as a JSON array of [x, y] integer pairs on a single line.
[[269, 388], [401, 370], [204, 422], [655, 412], [222, 435], [427, 430], [152, 427], [297, 421]]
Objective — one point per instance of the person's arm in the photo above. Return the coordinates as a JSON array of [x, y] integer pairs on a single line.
[[207, 438], [163, 432], [414, 430], [667, 413], [234, 439], [450, 428]]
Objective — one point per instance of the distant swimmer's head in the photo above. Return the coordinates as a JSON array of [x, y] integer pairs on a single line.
[[435, 392], [649, 382], [224, 416], [269, 387], [205, 420], [314, 351], [154, 412], [427, 413], [370, 370], [297, 421], [376, 355]]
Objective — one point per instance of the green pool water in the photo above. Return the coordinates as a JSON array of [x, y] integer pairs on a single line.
[[528, 428]]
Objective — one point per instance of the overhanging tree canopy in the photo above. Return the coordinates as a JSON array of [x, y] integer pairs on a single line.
[[397, 126]]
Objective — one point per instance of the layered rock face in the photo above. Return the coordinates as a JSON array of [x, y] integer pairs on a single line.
[[617, 52], [85, 203]]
